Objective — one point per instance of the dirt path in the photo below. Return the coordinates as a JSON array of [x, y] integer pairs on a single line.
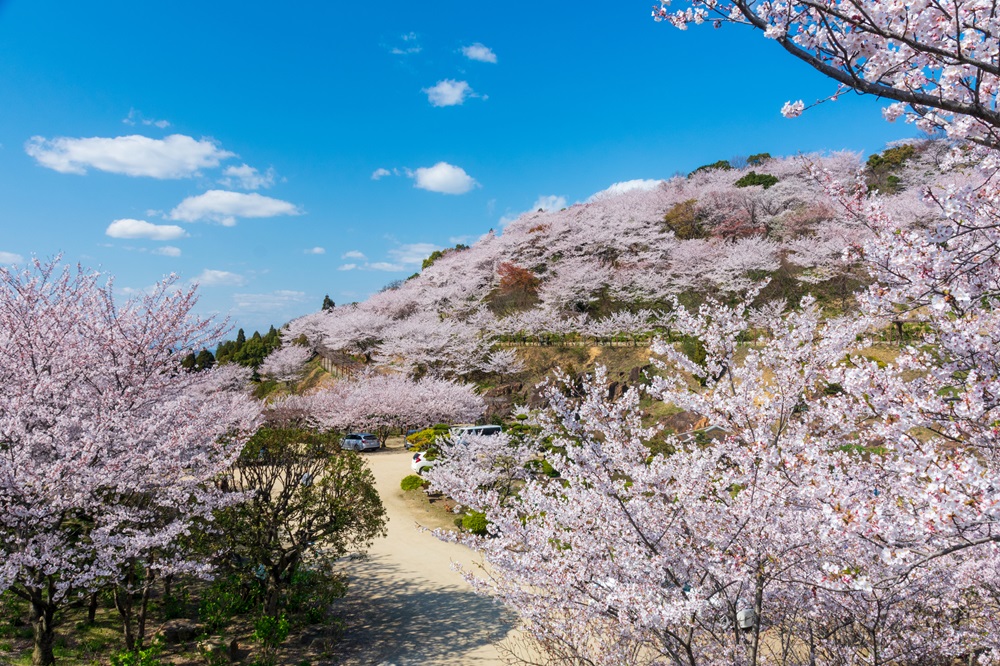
[[406, 606]]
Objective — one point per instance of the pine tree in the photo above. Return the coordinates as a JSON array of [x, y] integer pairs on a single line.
[[328, 303]]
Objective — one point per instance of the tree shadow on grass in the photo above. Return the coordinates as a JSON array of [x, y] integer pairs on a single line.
[[390, 617]]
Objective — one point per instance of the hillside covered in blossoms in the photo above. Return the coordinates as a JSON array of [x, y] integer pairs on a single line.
[[610, 268]]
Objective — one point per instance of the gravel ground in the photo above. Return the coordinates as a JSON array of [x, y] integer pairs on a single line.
[[406, 605]]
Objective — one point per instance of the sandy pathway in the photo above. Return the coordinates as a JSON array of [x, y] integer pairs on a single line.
[[405, 605]]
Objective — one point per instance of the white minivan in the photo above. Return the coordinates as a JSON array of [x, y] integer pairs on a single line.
[[457, 435]]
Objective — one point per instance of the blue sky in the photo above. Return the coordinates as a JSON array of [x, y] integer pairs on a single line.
[[239, 144]]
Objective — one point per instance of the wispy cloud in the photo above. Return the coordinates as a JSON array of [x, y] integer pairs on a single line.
[[214, 278], [8, 258], [354, 254], [176, 156], [129, 228], [479, 52], [409, 45], [134, 117], [412, 254], [386, 266], [316, 250], [168, 251], [274, 301], [444, 178], [246, 177], [347, 267], [225, 207], [380, 173]]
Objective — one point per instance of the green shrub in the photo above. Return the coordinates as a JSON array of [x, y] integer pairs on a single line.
[[758, 158], [891, 158], [542, 466], [412, 482], [270, 632], [147, 657], [175, 604], [882, 165], [475, 522], [693, 349], [684, 220], [724, 165], [310, 593], [765, 180], [226, 598]]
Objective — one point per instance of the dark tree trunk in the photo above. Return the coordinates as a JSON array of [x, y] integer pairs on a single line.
[[44, 633], [123, 602], [92, 607], [140, 631]]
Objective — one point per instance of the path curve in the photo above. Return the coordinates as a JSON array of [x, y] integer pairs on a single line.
[[405, 604]]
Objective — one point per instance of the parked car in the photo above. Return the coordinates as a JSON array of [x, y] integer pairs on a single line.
[[364, 441], [421, 463], [423, 460]]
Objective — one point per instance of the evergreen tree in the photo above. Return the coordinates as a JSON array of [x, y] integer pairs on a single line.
[[205, 360], [241, 338], [328, 303], [189, 362]]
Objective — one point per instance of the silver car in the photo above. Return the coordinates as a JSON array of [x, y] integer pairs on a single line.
[[364, 441]]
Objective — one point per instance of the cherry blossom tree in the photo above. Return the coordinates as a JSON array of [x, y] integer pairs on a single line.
[[938, 62], [849, 513], [107, 446], [287, 362], [382, 404]]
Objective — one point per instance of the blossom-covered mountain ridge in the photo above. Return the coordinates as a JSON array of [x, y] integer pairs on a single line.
[[612, 265]]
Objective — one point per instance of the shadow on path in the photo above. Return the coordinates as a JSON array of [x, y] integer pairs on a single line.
[[392, 616]]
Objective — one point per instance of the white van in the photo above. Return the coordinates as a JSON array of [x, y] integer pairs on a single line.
[[458, 433]]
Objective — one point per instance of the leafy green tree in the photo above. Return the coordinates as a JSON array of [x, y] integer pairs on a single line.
[[189, 362], [765, 180], [205, 360], [308, 500]]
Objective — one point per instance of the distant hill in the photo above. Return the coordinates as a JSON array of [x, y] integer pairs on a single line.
[[608, 269]]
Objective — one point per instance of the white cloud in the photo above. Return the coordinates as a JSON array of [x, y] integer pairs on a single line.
[[316, 250], [448, 92], [626, 186], [129, 228], [410, 45], [354, 254], [380, 173], [224, 207], [479, 52], [168, 251], [550, 202], [7, 258], [386, 266], [544, 202], [214, 278], [247, 178], [412, 254], [347, 267], [274, 301], [176, 156], [135, 116], [444, 178]]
